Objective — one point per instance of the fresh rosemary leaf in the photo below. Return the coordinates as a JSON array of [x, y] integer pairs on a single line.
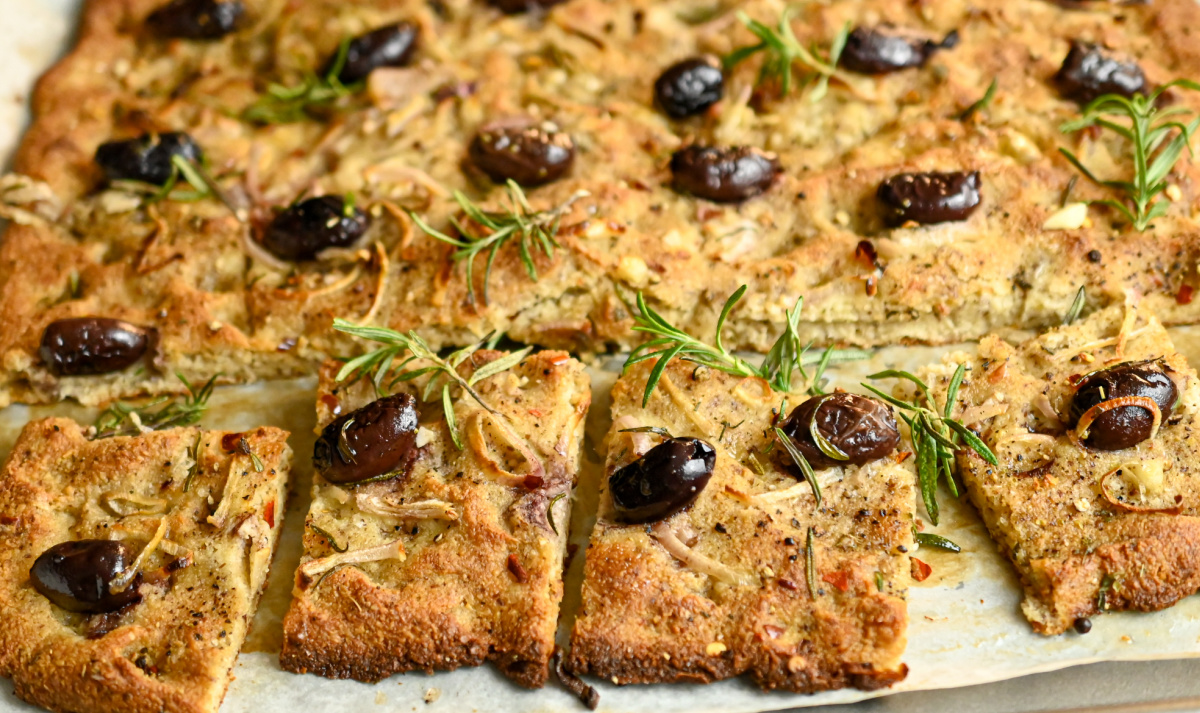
[[258, 464], [550, 511], [451, 422], [879, 581], [657, 430], [287, 105], [973, 441], [823, 443], [782, 51], [502, 364], [928, 539], [332, 542], [810, 564], [801, 463], [952, 390], [123, 419], [1157, 140], [981, 104], [927, 473], [1076, 307], [485, 232]]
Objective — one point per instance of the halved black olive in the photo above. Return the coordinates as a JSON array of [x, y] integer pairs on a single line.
[[862, 428], [663, 481], [82, 346], [377, 439], [388, 46], [884, 49], [306, 228], [723, 175], [146, 158], [196, 19], [512, 7], [79, 575], [1090, 71], [929, 198], [690, 87], [530, 155], [1124, 426]]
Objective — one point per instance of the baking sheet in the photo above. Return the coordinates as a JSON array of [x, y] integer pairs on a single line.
[[966, 626]]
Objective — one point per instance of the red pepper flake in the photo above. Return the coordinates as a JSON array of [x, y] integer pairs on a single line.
[[536, 413], [705, 212], [518, 572], [865, 253], [232, 442], [333, 403], [901, 456], [1184, 296], [839, 579], [998, 373], [533, 482], [920, 570], [788, 585], [269, 514]]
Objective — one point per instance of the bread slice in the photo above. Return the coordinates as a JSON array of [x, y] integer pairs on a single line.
[[218, 515], [197, 274], [1087, 530], [477, 571], [741, 603]]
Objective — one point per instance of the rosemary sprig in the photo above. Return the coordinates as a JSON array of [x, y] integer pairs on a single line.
[[202, 186], [1157, 138], [442, 373], [786, 358], [928, 539], [936, 437], [1076, 307], [487, 231], [124, 419], [782, 51], [981, 103], [288, 105]]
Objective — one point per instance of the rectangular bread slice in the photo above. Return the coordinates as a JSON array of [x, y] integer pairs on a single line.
[[1087, 530], [721, 588], [461, 560], [204, 521]]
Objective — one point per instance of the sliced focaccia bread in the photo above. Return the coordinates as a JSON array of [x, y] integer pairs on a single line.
[[711, 556], [1094, 500], [421, 554], [133, 565]]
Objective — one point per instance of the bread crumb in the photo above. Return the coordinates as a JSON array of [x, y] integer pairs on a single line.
[[1069, 217], [716, 648], [432, 695], [1174, 193], [380, 698]]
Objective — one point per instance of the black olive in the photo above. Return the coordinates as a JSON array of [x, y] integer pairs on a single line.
[[723, 175], [530, 155], [146, 158], [663, 481], [377, 439], [1090, 71], [512, 7], [1125, 426], [389, 46], [862, 428], [196, 19], [82, 346], [306, 228], [929, 198], [690, 87], [78, 576], [884, 49]]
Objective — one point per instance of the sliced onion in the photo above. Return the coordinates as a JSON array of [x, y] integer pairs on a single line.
[[1085, 421], [479, 445], [312, 568], [422, 510], [696, 561]]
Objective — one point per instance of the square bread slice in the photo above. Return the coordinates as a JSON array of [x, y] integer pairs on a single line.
[[461, 560], [1087, 530], [202, 522], [721, 588]]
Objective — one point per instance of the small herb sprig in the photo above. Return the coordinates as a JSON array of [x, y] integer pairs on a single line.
[[202, 186], [1157, 137], [981, 103], [786, 358], [1076, 307], [487, 231], [782, 51], [936, 437], [442, 372], [124, 419], [288, 105]]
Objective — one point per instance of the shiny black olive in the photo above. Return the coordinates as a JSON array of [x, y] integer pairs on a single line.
[[1090, 71], [196, 19], [884, 49], [306, 228], [690, 87], [663, 481], [1126, 426], [82, 346], [389, 46], [929, 198], [375, 440], [530, 155], [723, 175], [512, 7], [146, 158], [862, 428], [78, 576]]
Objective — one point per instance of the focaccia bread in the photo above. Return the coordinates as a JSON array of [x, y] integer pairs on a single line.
[[722, 587], [197, 522], [203, 276], [457, 561], [1093, 517]]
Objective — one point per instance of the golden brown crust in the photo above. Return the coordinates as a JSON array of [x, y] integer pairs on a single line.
[[174, 650], [484, 586], [648, 618]]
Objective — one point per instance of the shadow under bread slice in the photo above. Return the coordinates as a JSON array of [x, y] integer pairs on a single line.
[[133, 565], [712, 557], [419, 555], [1095, 499]]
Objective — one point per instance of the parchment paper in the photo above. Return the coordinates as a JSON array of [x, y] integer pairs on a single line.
[[966, 627]]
